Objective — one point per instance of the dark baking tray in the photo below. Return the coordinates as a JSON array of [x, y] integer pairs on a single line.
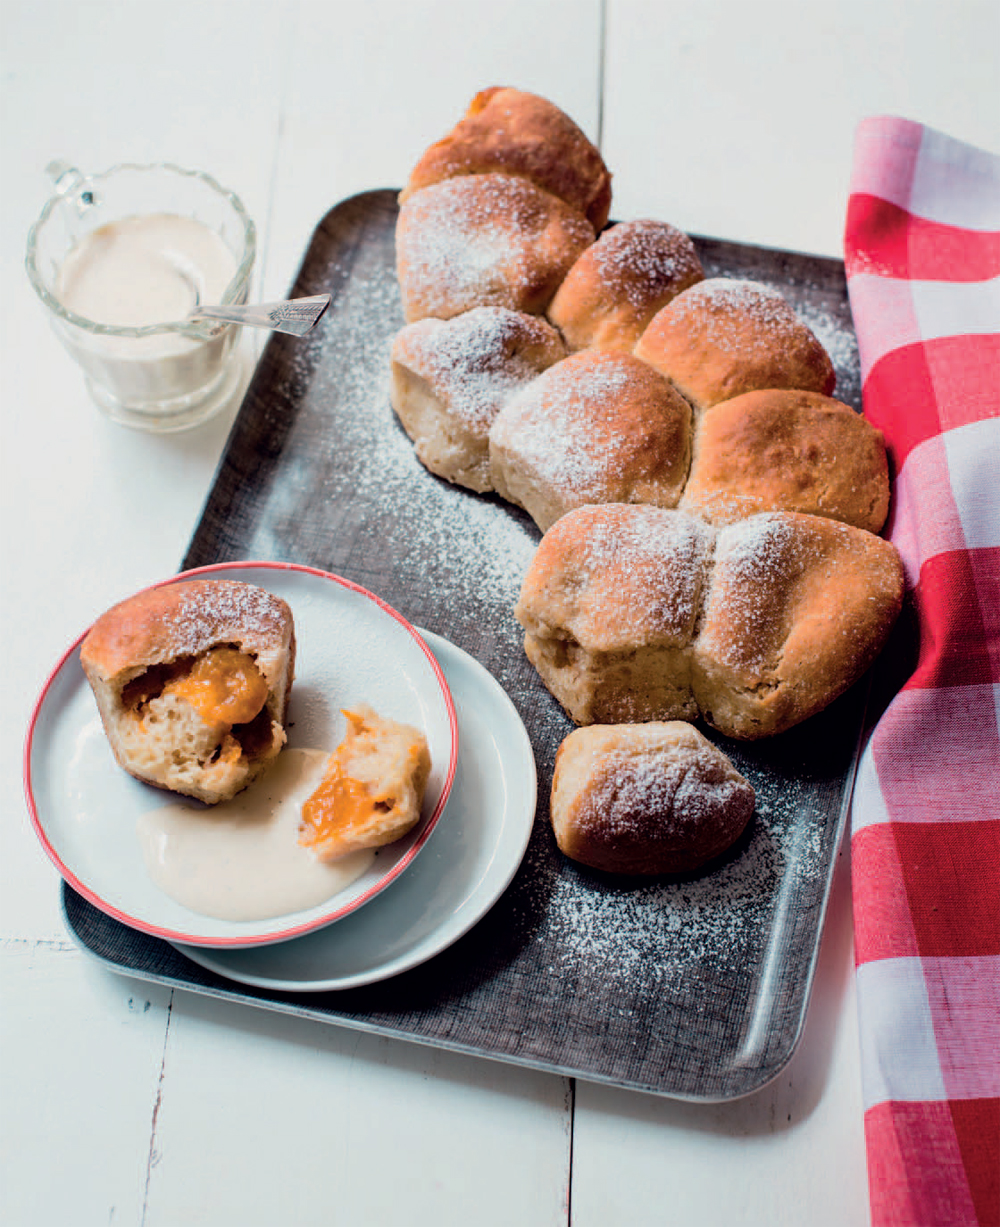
[[690, 987]]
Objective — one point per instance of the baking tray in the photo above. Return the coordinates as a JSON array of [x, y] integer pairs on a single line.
[[693, 987]]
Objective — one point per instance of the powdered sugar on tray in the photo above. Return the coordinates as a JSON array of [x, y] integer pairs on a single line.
[[466, 556], [444, 535], [663, 931], [838, 341]]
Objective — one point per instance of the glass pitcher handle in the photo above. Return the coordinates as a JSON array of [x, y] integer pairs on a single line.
[[72, 185]]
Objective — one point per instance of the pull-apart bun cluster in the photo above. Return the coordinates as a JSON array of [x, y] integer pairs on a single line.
[[734, 573]]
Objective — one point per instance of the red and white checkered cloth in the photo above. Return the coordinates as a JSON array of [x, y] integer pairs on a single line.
[[922, 252]]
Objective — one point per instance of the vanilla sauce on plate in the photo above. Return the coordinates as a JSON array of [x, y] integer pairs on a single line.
[[241, 859]]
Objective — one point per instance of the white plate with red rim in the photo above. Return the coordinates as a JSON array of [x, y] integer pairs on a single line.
[[476, 849], [351, 648]]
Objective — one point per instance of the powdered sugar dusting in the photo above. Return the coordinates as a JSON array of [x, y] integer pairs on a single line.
[[681, 799], [645, 260], [721, 308], [479, 359], [633, 573], [207, 605], [594, 420], [838, 341], [476, 240], [755, 559], [562, 428], [657, 562]]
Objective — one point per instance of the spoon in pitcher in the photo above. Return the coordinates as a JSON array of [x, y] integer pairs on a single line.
[[294, 315]]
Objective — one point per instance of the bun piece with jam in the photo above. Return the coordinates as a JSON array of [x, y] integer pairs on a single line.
[[192, 681], [373, 788]]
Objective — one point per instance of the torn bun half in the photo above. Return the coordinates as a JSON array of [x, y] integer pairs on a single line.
[[192, 683]]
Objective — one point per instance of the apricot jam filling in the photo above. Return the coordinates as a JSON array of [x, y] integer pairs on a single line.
[[224, 686], [340, 806], [372, 790]]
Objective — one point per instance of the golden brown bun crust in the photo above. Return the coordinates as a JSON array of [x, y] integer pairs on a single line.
[[450, 379], [646, 798], [723, 337], [632, 613], [138, 652], [484, 241], [615, 576], [797, 608], [517, 133], [598, 427], [616, 287], [782, 450], [609, 606], [185, 619]]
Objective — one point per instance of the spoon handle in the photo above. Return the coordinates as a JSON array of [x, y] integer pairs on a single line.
[[296, 315]]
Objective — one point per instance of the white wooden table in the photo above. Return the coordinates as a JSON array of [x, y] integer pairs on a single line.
[[126, 1103]]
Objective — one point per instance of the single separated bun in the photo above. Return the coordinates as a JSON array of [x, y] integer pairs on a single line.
[[646, 798], [513, 132], [634, 613], [726, 336], [192, 682], [620, 282], [484, 241]]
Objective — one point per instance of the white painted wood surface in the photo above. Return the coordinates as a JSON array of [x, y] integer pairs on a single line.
[[121, 1102]]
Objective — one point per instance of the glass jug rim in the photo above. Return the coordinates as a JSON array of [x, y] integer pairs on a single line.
[[146, 330]]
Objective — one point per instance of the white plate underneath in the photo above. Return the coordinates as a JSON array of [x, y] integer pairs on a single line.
[[351, 648], [468, 862]]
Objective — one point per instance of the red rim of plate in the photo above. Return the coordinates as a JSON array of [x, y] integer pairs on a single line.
[[299, 930]]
